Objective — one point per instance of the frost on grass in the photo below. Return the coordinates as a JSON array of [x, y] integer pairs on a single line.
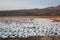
[[26, 27]]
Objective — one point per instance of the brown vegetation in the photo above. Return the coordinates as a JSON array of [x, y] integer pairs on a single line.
[[35, 38], [56, 18]]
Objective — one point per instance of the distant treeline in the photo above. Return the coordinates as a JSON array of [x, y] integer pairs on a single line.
[[52, 11]]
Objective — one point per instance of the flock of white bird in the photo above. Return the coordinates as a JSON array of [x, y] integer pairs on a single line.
[[27, 27]]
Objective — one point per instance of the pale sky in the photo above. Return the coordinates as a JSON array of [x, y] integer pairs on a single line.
[[27, 4]]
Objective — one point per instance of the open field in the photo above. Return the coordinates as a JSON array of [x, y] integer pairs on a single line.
[[56, 18]]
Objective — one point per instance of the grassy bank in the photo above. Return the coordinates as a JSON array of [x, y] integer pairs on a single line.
[[35, 38]]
